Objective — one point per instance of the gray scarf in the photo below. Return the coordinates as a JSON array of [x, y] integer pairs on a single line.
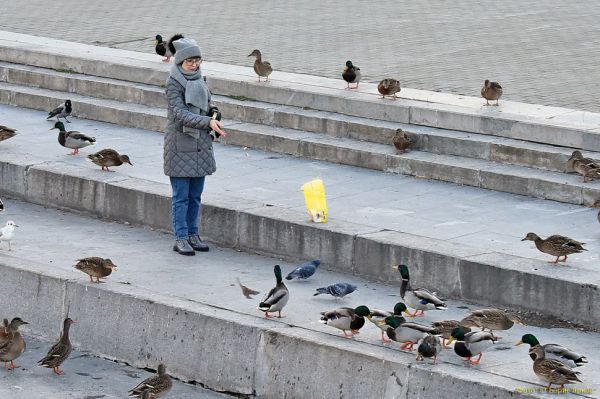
[[196, 90]]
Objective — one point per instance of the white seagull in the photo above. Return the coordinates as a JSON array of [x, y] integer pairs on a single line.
[[7, 233]]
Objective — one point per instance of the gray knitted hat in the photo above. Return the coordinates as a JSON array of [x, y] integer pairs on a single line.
[[186, 48]]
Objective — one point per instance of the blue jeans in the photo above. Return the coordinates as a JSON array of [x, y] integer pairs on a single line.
[[187, 192]]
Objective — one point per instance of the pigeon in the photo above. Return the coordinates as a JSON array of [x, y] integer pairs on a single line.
[[247, 292], [304, 271], [62, 111], [338, 290], [7, 233]]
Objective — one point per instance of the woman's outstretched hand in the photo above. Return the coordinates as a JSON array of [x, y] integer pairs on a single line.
[[217, 127]]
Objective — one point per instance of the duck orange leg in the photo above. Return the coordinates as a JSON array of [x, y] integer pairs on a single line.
[[555, 261], [58, 371], [407, 346], [384, 340], [565, 259], [346, 334], [267, 315], [476, 361], [280, 316]]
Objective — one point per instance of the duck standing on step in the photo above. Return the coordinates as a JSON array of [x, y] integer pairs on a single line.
[[277, 297], [95, 266], [408, 333], [262, 68], [420, 299], [471, 344], [552, 371], [491, 91], [166, 49], [72, 139], [586, 167], [492, 319], [7, 233], [429, 347], [158, 385], [389, 87], [553, 351], [401, 141], [556, 245], [108, 157], [12, 344], [445, 328], [351, 74], [7, 132], [62, 111], [378, 317], [346, 319], [60, 351]]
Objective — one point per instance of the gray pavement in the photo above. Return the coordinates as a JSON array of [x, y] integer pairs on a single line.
[[86, 377], [541, 51], [475, 217], [146, 261]]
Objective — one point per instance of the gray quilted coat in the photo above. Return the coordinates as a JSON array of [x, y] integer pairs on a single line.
[[188, 150]]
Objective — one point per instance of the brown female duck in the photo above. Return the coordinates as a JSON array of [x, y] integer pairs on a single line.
[[158, 385], [7, 132], [108, 157], [60, 351], [556, 245], [95, 267], [491, 91], [492, 319], [586, 167], [389, 87], [12, 344], [262, 68], [445, 328], [401, 141], [552, 371]]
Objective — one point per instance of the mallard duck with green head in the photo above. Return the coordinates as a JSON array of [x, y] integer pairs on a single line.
[[378, 317], [492, 319], [12, 344], [408, 333], [552, 371], [166, 49], [95, 266], [159, 385], [491, 91], [554, 351], [346, 319], [429, 347], [7, 132], [471, 344], [445, 328], [586, 167], [59, 351], [72, 139], [277, 297], [351, 74], [109, 157], [420, 299], [262, 68], [556, 245]]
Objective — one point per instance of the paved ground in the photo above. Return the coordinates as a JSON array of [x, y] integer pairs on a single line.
[[492, 221], [146, 261], [86, 377], [542, 51]]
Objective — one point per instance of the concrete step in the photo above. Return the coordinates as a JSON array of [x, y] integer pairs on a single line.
[[433, 140], [254, 205], [468, 171], [550, 125], [86, 376], [187, 312]]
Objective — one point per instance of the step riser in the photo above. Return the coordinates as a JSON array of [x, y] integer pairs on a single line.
[[488, 179], [199, 335], [407, 111], [287, 117], [347, 248]]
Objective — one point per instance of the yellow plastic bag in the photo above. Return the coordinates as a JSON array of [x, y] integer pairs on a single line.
[[314, 195]]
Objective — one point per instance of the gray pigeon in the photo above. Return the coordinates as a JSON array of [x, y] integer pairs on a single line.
[[338, 290], [304, 271]]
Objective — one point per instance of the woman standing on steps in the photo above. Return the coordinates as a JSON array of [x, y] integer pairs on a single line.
[[188, 150]]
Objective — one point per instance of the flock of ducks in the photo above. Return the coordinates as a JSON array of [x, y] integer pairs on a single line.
[[553, 363]]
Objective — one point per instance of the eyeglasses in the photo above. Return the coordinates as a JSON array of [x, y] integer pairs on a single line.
[[192, 61]]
